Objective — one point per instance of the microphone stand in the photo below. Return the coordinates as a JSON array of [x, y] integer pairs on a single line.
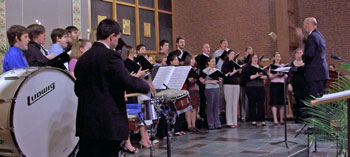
[[285, 111]]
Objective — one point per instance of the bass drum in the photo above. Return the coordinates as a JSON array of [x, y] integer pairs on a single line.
[[38, 109]]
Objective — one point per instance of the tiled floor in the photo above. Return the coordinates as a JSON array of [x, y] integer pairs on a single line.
[[245, 141]]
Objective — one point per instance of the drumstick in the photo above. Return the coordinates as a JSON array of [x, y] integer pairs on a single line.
[[133, 94]]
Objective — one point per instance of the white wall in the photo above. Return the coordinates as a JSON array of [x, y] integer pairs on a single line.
[[51, 13]]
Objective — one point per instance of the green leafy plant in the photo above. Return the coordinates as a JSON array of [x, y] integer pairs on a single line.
[[330, 120], [345, 66]]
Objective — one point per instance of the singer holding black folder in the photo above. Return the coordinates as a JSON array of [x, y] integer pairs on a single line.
[[253, 77], [277, 89], [231, 88], [298, 85], [212, 93]]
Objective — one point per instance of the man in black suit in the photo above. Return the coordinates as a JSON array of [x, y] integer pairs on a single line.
[[202, 60], [102, 79], [180, 50], [35, 53], [314, 58]]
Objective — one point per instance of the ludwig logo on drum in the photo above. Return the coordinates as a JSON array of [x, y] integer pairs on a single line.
[[32, 99]]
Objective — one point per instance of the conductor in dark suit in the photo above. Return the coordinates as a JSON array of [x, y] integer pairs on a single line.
[[314, 58], [102, 79]]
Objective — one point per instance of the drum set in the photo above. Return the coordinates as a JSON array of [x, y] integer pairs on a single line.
[[169, 103], [38, 109]]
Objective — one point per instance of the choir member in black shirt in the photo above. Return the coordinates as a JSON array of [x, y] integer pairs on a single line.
[[253, 78], [193, 89], [243, 94], [201, 61], [180, 51], [36, 55], [297, 85], [231, 88]]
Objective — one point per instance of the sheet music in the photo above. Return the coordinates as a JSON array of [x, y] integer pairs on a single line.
[[283, 69], [163, 76], [178, 77]]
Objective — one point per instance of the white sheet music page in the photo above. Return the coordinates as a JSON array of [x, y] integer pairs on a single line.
[[163, 76], [178, 77]]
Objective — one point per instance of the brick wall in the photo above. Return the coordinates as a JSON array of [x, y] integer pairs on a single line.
[[242, 23], [248, 22], [333, 22]]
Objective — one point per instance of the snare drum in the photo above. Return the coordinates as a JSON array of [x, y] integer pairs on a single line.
[[148, 110], [180, 97], [38, 109]]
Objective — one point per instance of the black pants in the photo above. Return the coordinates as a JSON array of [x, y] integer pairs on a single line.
[[178, 126], [256, 100], [98, 148], [316, 88], [300, 94], [203, 101]]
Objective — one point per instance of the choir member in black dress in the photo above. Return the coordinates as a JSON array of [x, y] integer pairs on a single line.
[[277, 89], [193, 89], [253, 78], [243, 94], [297, 85], [231, 88]]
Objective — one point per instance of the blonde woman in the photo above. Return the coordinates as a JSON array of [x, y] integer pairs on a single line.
[[79, 47]]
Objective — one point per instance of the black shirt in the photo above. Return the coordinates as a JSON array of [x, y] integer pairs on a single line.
[[202, 61], [248, 71], [178, 53], [228, 68]]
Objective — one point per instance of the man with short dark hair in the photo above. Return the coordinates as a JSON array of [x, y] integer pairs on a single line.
[[314, 57], [141, 49], [18, 39], [35, 53], [101, 81], [59, 38], [219, 52], [164, 46], [73, 34], [219, 61], [180, 50]]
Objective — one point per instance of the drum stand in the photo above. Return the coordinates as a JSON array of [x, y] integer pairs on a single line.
[[170, 118], [153, 131]]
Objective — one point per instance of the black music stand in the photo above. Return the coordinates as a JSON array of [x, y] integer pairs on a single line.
[[285, 70]]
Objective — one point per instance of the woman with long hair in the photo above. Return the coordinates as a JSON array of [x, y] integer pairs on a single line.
[[231, 89], [78, 48], [193, 89]]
